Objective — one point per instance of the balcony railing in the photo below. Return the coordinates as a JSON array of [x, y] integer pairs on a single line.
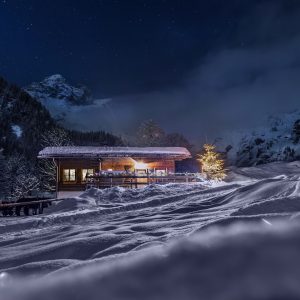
[[133, 180]]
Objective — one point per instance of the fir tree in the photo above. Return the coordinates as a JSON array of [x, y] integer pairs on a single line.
[[212, 164], [150, 134]]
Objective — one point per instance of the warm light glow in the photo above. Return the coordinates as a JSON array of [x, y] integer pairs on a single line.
[[138, 165], [212, 164], [109, 170]]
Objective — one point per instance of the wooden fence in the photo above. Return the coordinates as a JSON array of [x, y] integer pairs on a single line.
[[134, 181], [25, 207]]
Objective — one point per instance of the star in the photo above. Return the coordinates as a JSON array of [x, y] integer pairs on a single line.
[[29, 26]]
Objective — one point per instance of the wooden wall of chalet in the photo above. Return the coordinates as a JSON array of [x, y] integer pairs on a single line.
[[162, 165], [118, 164], [115, 164], [77, 164]]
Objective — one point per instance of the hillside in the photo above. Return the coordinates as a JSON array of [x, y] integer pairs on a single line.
[[277, 141], [24, 120]]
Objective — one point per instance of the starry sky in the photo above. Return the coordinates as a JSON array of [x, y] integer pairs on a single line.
[[197, 67]]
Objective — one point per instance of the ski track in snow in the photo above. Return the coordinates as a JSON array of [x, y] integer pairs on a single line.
[[161, 242]]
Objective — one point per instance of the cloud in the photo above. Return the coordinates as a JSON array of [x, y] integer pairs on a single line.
[[94, 116], [234, 86]]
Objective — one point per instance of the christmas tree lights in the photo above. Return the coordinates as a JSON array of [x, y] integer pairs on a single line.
[[212, 164]]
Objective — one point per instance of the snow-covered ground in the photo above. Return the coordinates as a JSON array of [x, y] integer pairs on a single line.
[[233, 240]]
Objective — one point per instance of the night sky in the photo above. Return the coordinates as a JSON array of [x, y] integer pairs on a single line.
[[197, 67]]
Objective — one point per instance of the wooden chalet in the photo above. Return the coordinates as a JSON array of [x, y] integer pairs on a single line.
[[79, 166]]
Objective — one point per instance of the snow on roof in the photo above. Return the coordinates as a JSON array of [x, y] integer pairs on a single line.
[[98, 152]]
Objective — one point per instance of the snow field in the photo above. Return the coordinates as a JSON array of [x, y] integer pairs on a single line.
[[234, 240]]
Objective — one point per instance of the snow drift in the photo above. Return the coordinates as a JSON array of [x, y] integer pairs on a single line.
[[234, 240], [236, 263]]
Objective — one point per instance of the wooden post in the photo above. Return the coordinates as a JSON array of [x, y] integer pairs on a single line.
[[40, 208], [57, 177], [148, 179]]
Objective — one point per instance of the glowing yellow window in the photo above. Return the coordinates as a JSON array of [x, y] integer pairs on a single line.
[[69, 175]]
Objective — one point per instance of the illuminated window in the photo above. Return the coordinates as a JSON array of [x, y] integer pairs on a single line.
[[69, 175], [85, 172]]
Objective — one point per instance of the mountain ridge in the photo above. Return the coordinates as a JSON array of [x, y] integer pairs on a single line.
[[56, 87], [24, 120]]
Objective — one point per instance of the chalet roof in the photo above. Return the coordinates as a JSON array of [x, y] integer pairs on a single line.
[[113, 152]]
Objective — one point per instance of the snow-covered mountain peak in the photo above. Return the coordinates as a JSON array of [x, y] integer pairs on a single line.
[[71, 104], [56, 87], [54, 80]]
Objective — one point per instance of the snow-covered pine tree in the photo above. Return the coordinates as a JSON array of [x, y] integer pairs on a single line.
[[211, 163]]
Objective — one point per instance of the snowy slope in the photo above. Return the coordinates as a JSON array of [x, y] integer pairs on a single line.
[[277, 141], [162, 242]]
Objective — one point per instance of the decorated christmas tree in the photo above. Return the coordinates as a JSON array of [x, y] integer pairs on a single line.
[[211, 163]]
